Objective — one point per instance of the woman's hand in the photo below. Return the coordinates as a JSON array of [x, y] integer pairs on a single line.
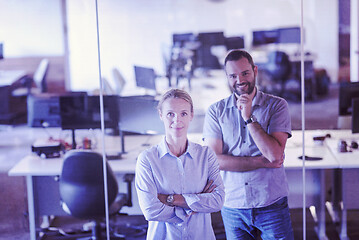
[[209, 187], [163, 198], [179, 199]]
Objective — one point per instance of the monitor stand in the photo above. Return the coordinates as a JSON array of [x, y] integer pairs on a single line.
[[73, 139]]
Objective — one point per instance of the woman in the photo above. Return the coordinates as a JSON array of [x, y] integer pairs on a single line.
[[177, 181]]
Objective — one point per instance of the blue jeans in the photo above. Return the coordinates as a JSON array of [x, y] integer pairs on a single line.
[[271, 222]]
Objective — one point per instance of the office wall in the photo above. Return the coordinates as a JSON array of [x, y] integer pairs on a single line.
[[31, 28], [136, 32]]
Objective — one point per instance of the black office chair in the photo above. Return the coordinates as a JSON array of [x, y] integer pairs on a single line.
[[279, 69], [82, 189]]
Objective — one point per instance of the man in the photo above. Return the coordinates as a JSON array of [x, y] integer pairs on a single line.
[[248, 132]]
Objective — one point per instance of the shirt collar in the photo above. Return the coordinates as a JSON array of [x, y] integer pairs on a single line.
[[163, 148], [258, 98]]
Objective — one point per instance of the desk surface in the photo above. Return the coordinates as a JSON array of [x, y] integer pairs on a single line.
[[32, 165], [293, 162], [313, 149], [9, 77], [345, 159]]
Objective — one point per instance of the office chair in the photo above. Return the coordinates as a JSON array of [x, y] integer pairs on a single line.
[[279, 69], [38, 79], [119, 80], [82, 189]]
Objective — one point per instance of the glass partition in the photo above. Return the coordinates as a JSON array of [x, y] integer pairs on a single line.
[[118, 57], [183, 47]]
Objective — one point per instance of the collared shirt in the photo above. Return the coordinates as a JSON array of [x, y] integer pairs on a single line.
[[260, 187], [159, 171]]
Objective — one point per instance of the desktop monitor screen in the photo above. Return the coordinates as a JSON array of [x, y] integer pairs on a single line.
[[83, 112], [211, 38], [289, 35], [145, 77], [43, 110], [234, 43], [181, 38], [264, 37], [347, 92], [138, 114]]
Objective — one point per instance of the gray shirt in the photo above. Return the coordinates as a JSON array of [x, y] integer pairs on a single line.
[[260, 187]]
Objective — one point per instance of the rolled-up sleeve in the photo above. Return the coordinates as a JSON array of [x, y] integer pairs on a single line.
[[211, 126]]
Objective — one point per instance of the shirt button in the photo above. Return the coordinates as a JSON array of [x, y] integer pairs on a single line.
[[244, 141], [246, 183]]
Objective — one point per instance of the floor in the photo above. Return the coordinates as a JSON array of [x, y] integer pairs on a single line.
[[13, 214], [134, 227]]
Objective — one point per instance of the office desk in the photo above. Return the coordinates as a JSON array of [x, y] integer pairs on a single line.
[[42, 174], [8, 77], [345, 182], [315, 183]]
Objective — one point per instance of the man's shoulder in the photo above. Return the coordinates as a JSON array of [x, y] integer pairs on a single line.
[[221, 103], [267, 98]]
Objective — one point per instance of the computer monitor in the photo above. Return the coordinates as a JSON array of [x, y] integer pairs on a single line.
[[234, 42], [145, 77], [355, 115], [43, 110], [347, 92], [83, 112], [211, 38], [1, 50], [264, 37], [181, 38], [289, 35], [138, 114]]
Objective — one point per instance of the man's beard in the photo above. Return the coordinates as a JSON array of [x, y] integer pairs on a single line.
[[250, 88]]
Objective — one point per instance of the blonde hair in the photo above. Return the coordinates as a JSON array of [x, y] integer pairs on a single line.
[[175, 93]]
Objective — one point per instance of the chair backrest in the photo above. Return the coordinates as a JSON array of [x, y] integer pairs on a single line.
[[278, 65], [107, 88], [119, 80], [40, 73], [82, 184]]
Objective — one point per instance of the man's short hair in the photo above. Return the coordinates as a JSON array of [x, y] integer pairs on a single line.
[[236, 54]]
